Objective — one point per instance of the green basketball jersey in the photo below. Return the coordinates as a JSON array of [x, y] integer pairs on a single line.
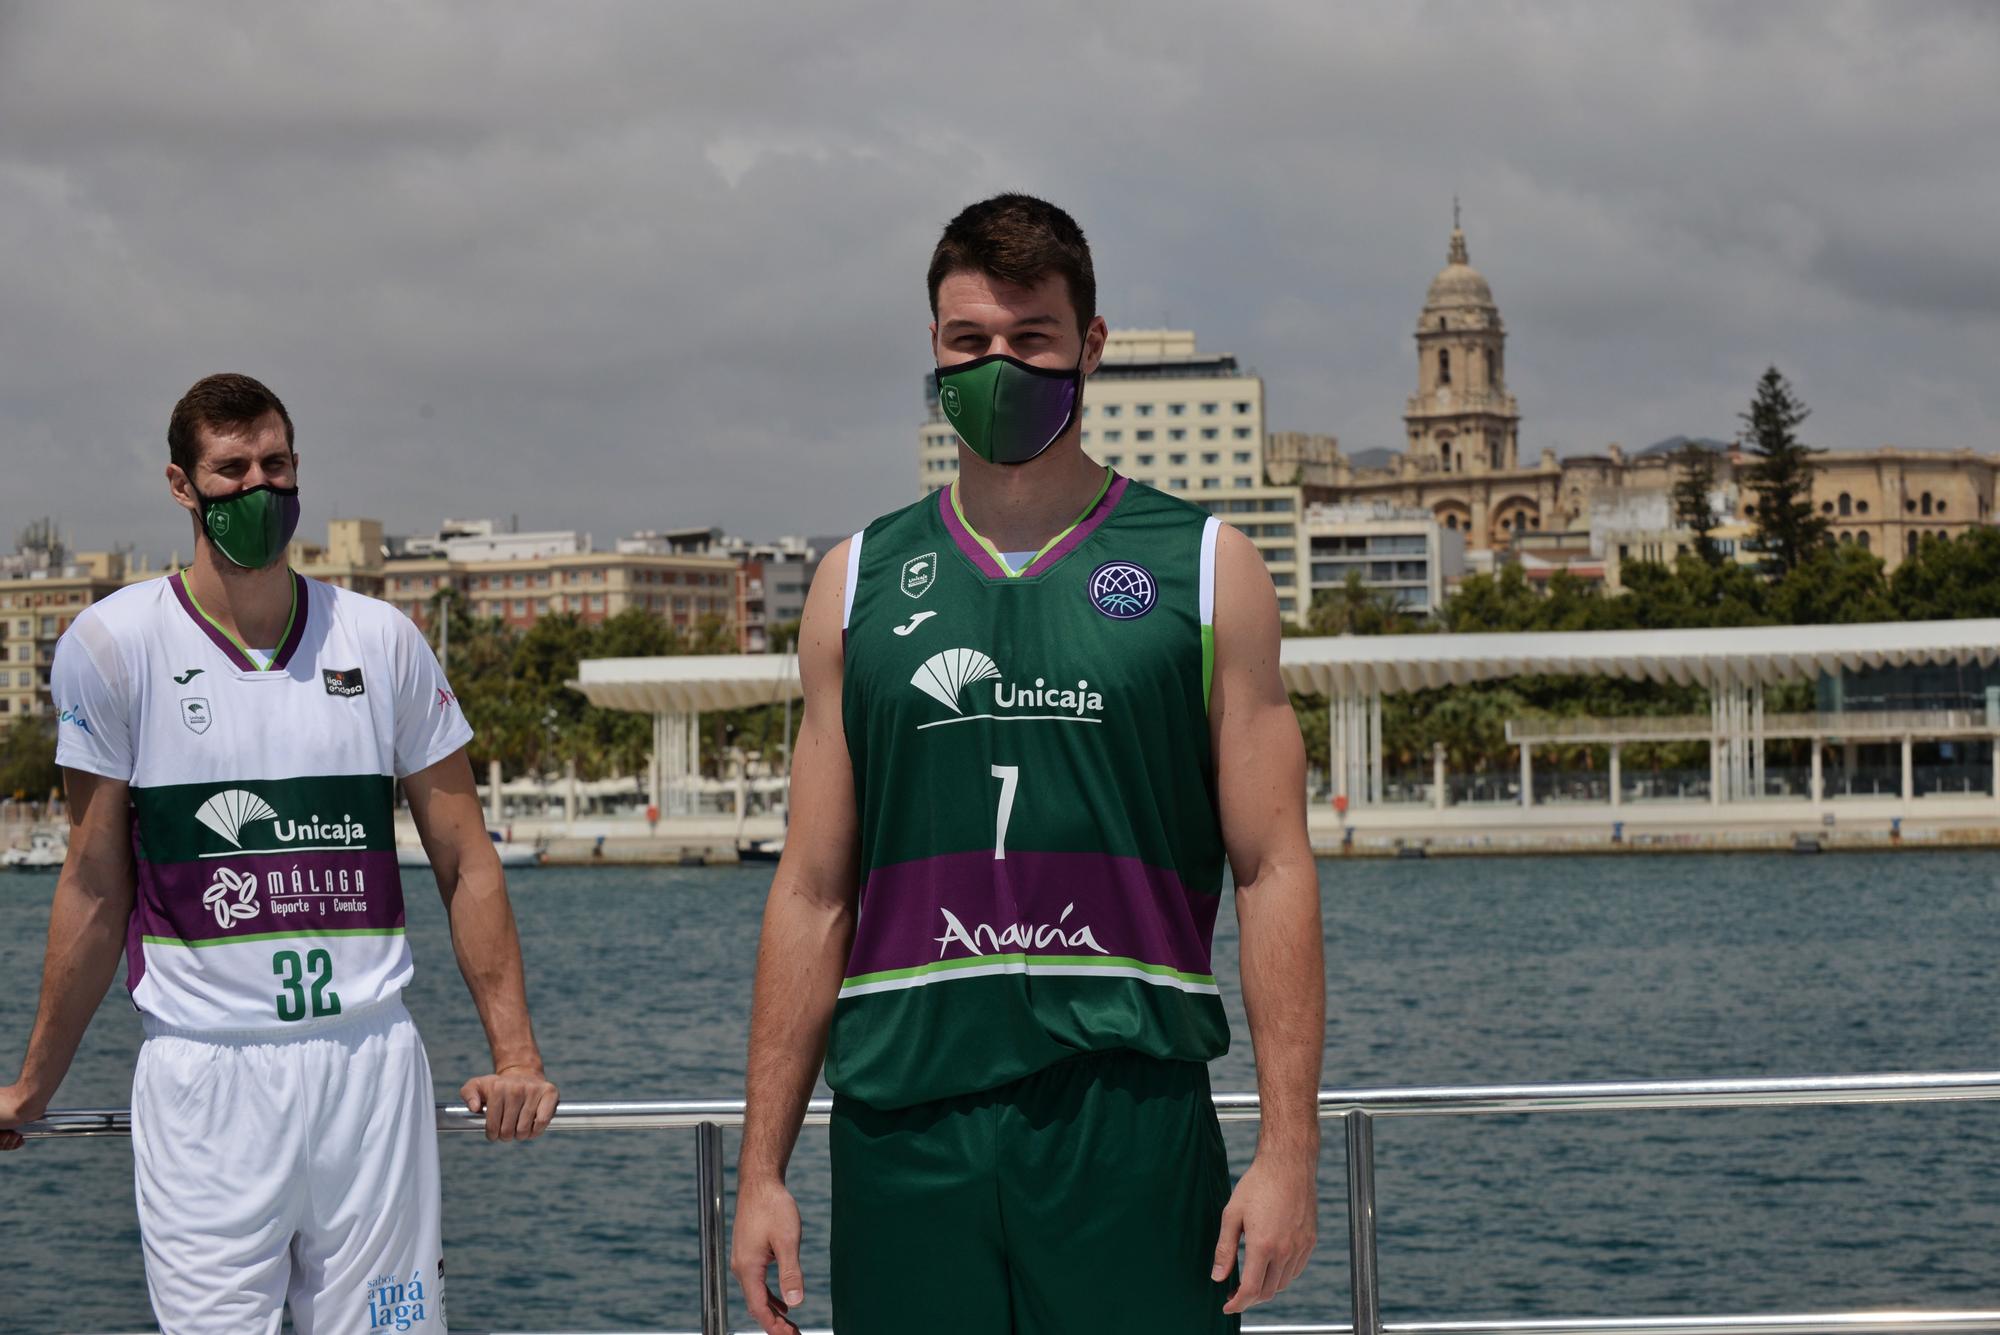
[[1041, 858]]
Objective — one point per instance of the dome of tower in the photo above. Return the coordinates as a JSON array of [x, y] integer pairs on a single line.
[[1458, 284]]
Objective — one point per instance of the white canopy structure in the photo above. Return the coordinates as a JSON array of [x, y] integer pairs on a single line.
[[1734, 664], [1354, 672], [675, 691], [1374, 664]]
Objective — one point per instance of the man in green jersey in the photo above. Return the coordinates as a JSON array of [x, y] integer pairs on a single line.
[[1043, 708]]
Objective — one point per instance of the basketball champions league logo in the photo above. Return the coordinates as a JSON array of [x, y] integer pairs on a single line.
[[1123, 591]]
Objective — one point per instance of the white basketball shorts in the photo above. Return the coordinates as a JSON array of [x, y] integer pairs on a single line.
[[290, 1167]]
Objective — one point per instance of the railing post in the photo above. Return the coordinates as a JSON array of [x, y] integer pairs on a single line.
[[1366, 1283], [708, 1185]]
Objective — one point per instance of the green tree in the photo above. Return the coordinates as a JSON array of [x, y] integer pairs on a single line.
[[1694, 485], [28, 758], [1788, 528], [1356, 609], [1947, 579], [1691, 593], [1839, 584]]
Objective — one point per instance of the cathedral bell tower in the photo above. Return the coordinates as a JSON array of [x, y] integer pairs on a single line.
[[1462, 419]]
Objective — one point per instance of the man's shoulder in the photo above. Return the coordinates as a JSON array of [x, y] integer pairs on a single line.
[[915, 514], [119, 620], [1151, 500], [128, 609]]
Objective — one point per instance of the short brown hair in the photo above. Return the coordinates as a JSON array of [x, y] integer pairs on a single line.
[[1018, 239], [218, 402]]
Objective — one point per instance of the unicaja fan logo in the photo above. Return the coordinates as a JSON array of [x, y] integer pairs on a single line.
[[944, 677], [229, 812]]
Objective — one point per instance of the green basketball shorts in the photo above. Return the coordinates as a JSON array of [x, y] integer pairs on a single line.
[[1082, 1199]]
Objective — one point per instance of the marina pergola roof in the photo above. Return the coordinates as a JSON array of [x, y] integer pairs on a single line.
[[1743, 656], [688, 684], [1372, 664]]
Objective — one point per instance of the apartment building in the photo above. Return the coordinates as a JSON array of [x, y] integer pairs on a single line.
[[41, 592], [1405, 554], [518, 578]]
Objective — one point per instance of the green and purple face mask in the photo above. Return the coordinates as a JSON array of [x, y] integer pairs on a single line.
[[252, 527], [1005, 410]]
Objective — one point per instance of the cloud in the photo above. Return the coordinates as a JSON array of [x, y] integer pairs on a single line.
[[626, 265]]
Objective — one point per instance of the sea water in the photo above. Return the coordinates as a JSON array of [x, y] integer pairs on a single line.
[[1444, 971]]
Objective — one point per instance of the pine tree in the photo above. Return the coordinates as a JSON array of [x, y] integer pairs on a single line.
[[1788, 528], [1693, 486]]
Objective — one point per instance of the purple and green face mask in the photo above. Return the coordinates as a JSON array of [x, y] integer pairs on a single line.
[[1005, 410], [252, 527]]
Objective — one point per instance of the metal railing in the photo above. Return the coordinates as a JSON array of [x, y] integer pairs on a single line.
[[1357, 1110]]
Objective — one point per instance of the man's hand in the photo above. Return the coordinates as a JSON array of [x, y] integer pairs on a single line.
[[1275, 1211], [17, 1105], [767, 1231], [518, 1102]]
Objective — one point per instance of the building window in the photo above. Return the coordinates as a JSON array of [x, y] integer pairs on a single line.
[[1145, 461], [1243, 408], [1242, 433], [1862, 538], [1086, 438], [1177, 459], [1210, 409], [1143, 433], [1861, 507], [1444, 366], [1211, 484], [1176, 484], [1177, 433], [1209, 433], [1940, 509], [1114, 459], [1927, 502], [1112, 410], [1846, 504], [1176, 409], [1144, 410], [1244, 484], [1451, 522], [1826, 507], [1114, 436], [1242, 456]]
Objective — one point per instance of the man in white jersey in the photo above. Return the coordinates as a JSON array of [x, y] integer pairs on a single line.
[[231, 737]]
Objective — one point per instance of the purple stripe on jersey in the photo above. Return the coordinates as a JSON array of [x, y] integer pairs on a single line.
[[974, 550], [1088, 525], [208, 628], [135, 949], [296, 636], [914, 913], [255, 894]]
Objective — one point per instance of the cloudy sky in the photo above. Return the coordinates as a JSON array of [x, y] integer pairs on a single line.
[[612, 266]]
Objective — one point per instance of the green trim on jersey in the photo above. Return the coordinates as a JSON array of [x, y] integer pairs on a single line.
[[1001, 556], [288, 935]]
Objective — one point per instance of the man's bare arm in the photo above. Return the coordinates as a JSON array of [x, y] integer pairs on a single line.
[[808, 930], [1261, 778], [87, 921], [517, 1098]]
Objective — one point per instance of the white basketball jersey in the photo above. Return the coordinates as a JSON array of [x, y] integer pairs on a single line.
[[263, 807]]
